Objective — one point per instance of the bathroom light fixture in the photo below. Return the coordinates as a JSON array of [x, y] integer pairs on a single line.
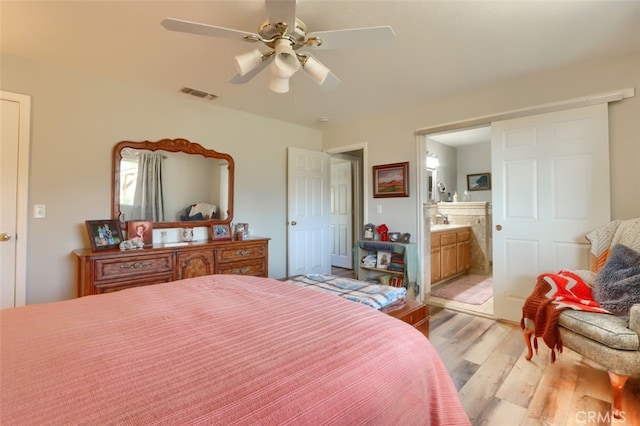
[[432, 161]]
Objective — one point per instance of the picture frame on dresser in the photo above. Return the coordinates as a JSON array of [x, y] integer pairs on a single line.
[[104, 234], [220, 231], [140, 230]]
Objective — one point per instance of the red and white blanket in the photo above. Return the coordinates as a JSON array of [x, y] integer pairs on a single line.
[[553, 294]]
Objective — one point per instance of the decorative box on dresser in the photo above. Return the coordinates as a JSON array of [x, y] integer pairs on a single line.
[[106, 271]]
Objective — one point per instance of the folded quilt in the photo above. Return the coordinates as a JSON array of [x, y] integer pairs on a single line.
[[373, 295], [553, 294]]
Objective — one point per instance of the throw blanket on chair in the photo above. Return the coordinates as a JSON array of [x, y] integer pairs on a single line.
[[617, 285], [553, 294]]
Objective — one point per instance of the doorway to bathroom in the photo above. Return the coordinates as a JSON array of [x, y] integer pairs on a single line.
[[461, 211]]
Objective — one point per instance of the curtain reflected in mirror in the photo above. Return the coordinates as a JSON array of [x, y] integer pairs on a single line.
[[141, 192]]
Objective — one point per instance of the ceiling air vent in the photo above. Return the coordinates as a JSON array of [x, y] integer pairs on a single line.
[[198, 93]]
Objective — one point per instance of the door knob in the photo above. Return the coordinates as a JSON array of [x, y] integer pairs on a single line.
[[294, 223], [5, 237], [498, 227]]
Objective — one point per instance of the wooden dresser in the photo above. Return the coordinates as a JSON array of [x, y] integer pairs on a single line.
[[106, 271]]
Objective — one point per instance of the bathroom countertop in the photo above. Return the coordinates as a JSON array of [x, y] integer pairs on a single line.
[[436, 228]]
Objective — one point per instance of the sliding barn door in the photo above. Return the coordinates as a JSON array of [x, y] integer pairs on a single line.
[[550, 187]]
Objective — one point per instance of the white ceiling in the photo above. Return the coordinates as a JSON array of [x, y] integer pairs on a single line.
[[441, 47]]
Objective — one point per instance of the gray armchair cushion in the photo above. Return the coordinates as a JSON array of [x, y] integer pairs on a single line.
[[606, 329]]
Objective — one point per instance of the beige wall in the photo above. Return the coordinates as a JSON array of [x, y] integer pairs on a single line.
[[77, 119], [391, 138]]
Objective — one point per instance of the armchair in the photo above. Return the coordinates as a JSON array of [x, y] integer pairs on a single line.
[[606, 339]]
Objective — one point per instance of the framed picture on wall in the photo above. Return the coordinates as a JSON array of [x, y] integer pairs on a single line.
[[104, 234], [479, 182], [391, 180]]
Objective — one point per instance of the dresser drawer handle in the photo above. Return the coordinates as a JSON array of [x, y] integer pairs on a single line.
[[242, 252], [135, 265], [241, 271]]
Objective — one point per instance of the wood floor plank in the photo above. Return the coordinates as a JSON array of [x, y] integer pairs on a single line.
[[481, 388], [497, 411], [482, 348]]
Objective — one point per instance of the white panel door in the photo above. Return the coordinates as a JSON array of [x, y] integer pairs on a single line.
[[550, 188], [14, 165], [341, 214], [308, 212]]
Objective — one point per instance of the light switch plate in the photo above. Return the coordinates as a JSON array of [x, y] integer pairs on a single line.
[[39, 211]]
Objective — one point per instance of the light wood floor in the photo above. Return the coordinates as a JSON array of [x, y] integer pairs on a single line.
[[498, 386]]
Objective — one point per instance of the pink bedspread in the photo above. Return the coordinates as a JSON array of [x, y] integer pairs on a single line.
[[220, 349]]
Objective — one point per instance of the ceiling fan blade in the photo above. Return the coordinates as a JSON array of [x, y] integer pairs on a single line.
[[205, 29], [355, 38], [282, 11], [241, 79]]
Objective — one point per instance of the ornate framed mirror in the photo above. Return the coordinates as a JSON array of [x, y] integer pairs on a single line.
[[171, 182]]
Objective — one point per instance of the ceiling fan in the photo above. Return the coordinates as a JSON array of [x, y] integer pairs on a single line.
[[284, 35]]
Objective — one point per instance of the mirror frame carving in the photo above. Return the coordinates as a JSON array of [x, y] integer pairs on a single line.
[[170, 145]]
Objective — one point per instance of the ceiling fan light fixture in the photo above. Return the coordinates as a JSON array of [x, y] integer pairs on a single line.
[[248, 61], [315, 69], [286, 62], [284, 65], [279, 84]]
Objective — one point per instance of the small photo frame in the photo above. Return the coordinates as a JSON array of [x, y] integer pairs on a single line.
[[369, 230], [241, 231], [479, 182], [383, 259], [104, 234], [391, 180], [140, 230], [394, 237], [220, 231]]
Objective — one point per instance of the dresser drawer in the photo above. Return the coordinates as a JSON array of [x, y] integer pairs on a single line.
[[239, 254], [108, 287], [132, 266], [256, 268]]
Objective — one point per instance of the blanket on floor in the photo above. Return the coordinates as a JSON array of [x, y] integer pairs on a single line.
[[553, 294]]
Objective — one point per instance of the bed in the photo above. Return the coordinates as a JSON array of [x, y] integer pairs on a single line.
[[219, 349]]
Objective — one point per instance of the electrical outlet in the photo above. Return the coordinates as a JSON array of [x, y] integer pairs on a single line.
[[39, 211], [379, 208]]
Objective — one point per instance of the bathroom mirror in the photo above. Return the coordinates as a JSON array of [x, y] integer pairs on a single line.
[[171, 182]]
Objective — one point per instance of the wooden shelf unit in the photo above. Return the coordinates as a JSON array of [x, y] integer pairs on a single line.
[[365, 247]]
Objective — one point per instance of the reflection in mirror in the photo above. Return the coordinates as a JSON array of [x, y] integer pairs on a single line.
[[172, 183]]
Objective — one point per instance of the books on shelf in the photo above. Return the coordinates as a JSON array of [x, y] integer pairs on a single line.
[[391, 280]]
